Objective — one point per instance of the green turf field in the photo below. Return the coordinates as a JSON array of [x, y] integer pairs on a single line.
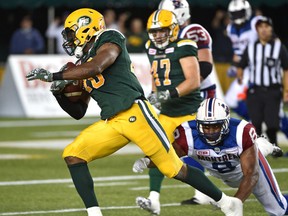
[[34, 179]]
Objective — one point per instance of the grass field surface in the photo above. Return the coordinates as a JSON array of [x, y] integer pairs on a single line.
[[34, 179]]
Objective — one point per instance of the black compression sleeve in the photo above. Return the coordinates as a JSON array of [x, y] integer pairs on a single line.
[[205, 68], [75, 109]]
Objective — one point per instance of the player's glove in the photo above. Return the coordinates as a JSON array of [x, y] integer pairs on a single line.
[[152, 98], [58, 85], [41, 74], [163, 96], [140, 164], [232, 71]]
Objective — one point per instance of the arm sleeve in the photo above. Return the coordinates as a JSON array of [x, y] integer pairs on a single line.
[[205, 68], [75, 109]]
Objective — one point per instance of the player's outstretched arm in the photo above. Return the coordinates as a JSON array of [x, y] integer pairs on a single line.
[[249, 165], [105, 57]]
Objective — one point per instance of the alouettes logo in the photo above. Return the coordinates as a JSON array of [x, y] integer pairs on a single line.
[[203, 152], [177, 3]]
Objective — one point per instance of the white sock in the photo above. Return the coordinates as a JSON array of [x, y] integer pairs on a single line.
[[264, 146], [94, 211], [154, 195], [202, 198], [224, 200]]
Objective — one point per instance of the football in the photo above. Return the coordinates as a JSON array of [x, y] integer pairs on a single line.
[[74, 91], [67, 66]]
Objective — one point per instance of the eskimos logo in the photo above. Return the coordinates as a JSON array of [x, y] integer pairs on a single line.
[[84, 21]]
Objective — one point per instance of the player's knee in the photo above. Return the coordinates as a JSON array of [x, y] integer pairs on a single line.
[[73, 160], [169, 173], [182, 174]]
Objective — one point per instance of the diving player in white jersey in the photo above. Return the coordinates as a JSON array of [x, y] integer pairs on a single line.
[[230, 150]]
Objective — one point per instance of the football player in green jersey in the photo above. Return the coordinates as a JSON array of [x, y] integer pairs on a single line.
[[175, 84], [174, 69], [126, 116]]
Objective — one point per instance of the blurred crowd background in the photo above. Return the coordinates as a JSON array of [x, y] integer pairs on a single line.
[[129, 17]]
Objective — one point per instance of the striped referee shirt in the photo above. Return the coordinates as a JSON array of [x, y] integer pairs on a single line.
[[265, 62]]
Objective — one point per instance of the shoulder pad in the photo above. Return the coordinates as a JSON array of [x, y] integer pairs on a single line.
[[110, 30], [185, 42], [197, 33]]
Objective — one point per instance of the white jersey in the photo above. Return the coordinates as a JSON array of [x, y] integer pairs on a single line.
[[203, 39], [241, 37], [223, 161]]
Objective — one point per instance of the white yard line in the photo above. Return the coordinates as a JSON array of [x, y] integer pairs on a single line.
[[47, 134], [46, 122], [19, 156], [61, 181], [97, 179], [60, 144]]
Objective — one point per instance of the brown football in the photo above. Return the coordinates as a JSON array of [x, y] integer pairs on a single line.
[[74, 91]]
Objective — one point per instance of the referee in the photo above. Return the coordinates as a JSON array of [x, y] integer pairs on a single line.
[[267, 59]]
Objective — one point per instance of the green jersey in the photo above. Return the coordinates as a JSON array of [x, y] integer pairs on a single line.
[[168, 74], [117, 87]]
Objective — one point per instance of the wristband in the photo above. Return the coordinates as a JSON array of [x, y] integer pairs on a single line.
[[174, 93], [57, 76]]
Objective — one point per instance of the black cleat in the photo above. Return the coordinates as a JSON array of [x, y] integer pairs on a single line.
[[277, 152], [192, 201]]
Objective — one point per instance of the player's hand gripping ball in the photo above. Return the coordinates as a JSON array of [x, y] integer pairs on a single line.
[[74, 90]]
